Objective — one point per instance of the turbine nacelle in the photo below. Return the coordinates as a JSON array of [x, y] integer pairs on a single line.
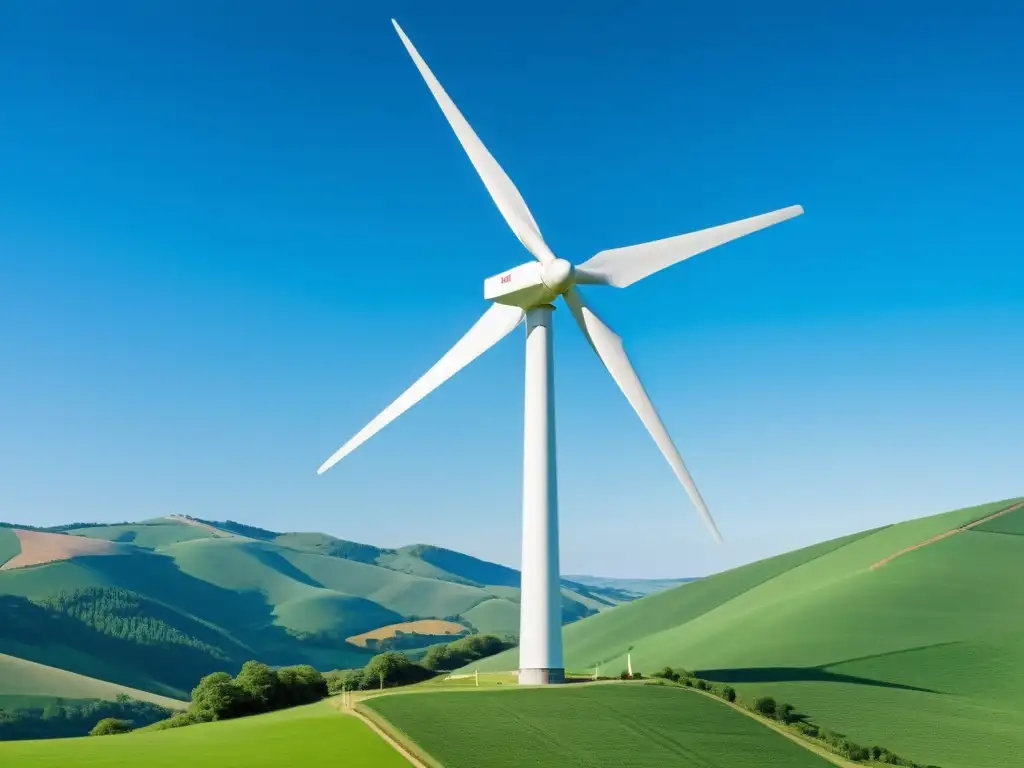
[[531, 284]]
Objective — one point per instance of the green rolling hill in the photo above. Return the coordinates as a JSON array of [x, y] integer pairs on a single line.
[[171, 599], [922, 652]]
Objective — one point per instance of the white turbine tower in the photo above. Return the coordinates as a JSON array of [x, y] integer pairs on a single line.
[[527, 291]]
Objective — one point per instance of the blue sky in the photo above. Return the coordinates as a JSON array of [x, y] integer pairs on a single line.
[[230, 233]]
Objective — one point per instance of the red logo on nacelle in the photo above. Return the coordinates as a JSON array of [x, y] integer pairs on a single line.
[[506, 278]]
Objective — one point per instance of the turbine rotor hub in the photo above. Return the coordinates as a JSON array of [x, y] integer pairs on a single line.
[[559, 276]]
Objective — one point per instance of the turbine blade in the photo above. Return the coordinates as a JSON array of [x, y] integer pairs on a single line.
[[495, 324], [503, 191], [609, 348], [624, 266]]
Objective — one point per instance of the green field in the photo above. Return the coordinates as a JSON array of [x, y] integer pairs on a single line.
[[9, 545], [627, 726], [309, 737], [24, 683], [924, 655]]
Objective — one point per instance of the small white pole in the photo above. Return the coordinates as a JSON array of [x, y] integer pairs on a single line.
[[477, 674], [629, 664]]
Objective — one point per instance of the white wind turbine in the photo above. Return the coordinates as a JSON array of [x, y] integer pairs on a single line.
[[526, 292]]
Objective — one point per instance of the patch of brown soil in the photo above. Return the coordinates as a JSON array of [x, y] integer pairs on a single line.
[[947, 534], [38, 547], [419, 627]]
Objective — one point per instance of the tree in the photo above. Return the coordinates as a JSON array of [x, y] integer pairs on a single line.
[[729, 693], [765, 705], [218, 697], [394, 668], [260, 684], [109, 726], [299, 685]]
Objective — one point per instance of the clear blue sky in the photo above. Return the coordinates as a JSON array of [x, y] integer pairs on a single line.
[[230, 233]]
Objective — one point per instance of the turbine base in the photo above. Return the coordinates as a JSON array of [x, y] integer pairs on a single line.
[[541, 676]]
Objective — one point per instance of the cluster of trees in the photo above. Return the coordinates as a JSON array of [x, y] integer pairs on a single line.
[[113, 623], [393, 668], [465, 650], [254, 690], [786, 714], [61, 719]]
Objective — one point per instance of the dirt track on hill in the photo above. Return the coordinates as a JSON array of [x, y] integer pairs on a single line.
[[38, 547], [947, 534]]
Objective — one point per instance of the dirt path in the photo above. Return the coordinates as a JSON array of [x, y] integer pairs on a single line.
[[345, 707], [947, 534]]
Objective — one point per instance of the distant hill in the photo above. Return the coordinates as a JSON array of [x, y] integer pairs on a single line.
[[154, 605], [634, 587], [911, 636]]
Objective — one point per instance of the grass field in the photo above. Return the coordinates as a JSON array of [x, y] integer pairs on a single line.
[[21, 680], [924, 655], [627, 726], [9, 545], [309, 737]]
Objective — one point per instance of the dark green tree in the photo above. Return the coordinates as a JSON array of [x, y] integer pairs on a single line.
[[218, 697], [260, 684]]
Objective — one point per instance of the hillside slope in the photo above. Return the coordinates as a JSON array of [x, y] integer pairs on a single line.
[[924, 654], [157, 604], [25, 683]]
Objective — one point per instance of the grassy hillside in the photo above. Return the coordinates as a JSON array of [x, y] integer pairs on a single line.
[[628, 726], [311, 737], [9, 545], [924, 654], [172, 599], [27, 684]]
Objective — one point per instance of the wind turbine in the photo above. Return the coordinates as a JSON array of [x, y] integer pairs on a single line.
[[527, 292]]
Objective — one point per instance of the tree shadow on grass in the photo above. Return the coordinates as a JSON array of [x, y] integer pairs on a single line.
[[796, 675], [820, 673]]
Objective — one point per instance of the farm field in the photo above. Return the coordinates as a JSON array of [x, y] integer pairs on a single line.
[[628, 726], [311, 737], [924, 654], [436, 627]]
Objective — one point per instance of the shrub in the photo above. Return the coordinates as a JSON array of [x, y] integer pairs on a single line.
[[109, 726], [728, 693], [785, 713], [637, 676], [859, 754], [807, 729], [624, 675], [702, 685], [180, 720], [765, 705], [667, 674]]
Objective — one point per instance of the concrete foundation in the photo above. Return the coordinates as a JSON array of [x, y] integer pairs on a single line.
[[541, 676]]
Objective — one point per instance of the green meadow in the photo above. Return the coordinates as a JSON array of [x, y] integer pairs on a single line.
[[924, 655], [304, 737], [627, 726]]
